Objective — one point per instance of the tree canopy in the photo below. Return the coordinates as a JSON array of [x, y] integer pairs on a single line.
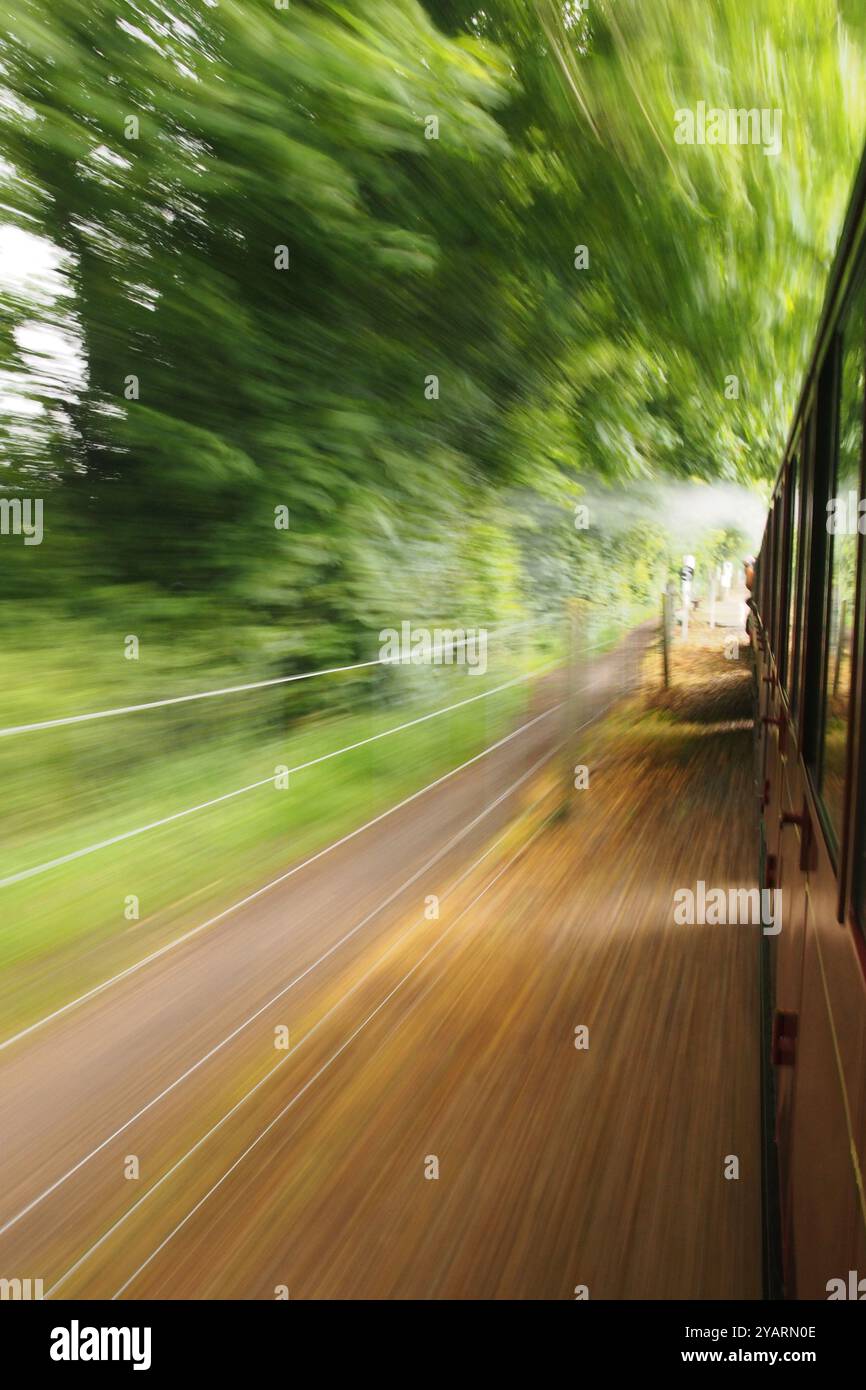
[[410, 271]]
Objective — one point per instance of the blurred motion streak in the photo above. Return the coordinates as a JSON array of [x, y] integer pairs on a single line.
[[320, 323]]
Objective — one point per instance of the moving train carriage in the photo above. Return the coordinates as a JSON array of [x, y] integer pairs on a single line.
[[808, 627]]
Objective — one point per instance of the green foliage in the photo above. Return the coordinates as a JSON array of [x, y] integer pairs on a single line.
[[409, 257]]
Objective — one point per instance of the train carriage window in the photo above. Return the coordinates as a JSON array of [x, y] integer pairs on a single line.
[[788, 511], [763, 563], [793, 494], [771, 579], [778, 576], [842, 518], [806, 546], [768, 578]]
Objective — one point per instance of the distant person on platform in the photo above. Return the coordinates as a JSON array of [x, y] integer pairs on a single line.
[[749, 569]]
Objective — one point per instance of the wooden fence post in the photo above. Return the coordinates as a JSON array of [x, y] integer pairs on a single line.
[[578, 618], [840, 643]]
